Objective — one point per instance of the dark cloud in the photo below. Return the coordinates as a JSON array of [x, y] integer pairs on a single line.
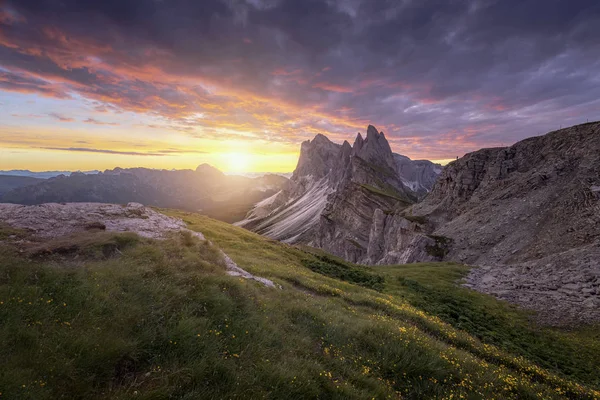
[[435, 75], [23, 83]]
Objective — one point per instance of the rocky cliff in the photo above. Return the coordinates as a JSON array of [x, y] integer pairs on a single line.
[[520, 203], [529, 215], [340, 196]]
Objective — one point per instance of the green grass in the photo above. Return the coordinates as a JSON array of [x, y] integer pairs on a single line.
[[432, 288], [329, 266], [160, 320], [386, 193]]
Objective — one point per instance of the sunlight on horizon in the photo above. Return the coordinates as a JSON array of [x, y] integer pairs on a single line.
[[237, 162]]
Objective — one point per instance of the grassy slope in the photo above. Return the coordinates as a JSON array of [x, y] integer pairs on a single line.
[[160, 320]]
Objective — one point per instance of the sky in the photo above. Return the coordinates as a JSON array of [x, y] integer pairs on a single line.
[[239, 84]]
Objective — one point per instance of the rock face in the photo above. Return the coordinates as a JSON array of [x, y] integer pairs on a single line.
[[346, 200], [520, 203], [206, 190], [418, 175], [530, 214]]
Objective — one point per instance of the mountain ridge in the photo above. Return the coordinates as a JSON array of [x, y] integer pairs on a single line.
[[529, 215], [206, 189]]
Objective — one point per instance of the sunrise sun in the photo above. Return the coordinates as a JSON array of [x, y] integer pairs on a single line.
[[237, 162]]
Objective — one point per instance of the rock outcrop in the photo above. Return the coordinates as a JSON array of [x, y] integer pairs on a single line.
[[345, 198], [529, 215], [53, 220], [520, 203]]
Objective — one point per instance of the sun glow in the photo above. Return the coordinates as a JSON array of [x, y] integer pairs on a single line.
[[237, 162]]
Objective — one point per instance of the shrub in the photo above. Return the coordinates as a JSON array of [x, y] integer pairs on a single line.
[[358, 275]]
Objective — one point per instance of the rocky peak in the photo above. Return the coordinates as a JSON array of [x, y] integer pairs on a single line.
[[358, 142], [373, 133], [346, 148], [317, 157], [320, 139], [374, 149], [333, 196]]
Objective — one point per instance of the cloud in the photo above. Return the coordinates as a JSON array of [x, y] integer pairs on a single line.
[[438, 77], [96, 122], [103, 151], [156, 153], [26, 83], [61, 118], [332, 88]]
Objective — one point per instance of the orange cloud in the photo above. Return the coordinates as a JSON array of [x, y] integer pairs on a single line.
[[332, 88]]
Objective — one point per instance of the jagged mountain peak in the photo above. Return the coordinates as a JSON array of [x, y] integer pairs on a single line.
[[316, 157], [372, 132], [375, 148], [346, 145], [320, 139], [358, 142], [331, 178]]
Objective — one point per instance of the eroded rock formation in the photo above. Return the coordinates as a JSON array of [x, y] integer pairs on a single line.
[[345, 199]]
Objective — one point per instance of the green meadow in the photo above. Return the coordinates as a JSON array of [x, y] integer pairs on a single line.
[[116, 316]]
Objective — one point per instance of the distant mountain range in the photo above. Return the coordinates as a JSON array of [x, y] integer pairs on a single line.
[[43, 174], [331, 197], [206, 190]]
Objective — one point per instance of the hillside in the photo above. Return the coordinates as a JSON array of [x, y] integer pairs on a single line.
[[107, 314], [205, 190]]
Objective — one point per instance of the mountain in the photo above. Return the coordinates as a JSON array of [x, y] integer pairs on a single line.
[[206, 190], [101, 301], [41, 175], [529, 214], [332, 195], [10, 182]]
